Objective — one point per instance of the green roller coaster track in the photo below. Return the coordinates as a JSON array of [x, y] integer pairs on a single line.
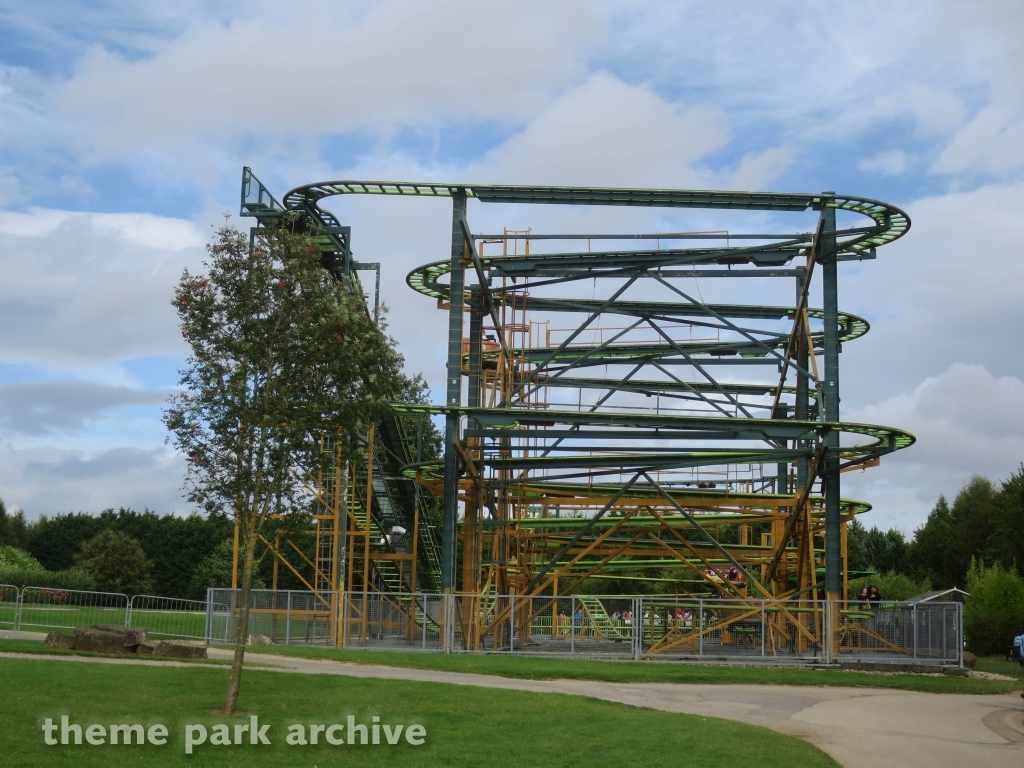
[[508, 462]]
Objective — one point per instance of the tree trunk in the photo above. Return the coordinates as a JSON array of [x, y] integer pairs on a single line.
[[242, 626]]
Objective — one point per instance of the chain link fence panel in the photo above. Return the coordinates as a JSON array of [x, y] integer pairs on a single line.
[[10, 601], [395, 621], [45, 608], [287, 617], [169, 617], [890, 631]]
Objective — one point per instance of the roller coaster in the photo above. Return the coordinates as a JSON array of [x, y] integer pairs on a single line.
[[601, 419]]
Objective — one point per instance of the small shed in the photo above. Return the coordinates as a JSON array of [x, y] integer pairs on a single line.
[[951, 595]]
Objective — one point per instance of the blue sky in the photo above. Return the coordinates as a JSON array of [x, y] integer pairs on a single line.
[[124, 127]]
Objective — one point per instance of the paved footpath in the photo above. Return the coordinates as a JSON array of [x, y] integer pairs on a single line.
[[859, 727]]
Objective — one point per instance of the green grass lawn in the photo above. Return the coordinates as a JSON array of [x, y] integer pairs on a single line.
[[1000, 666], [36, 617], [465, 726], [534, 668]]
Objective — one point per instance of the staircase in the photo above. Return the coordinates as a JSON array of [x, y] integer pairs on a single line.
[[602, 622]]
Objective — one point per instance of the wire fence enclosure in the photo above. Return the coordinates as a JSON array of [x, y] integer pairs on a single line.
[[43, 608], [632, 627], [286, 617], [170, 617], [622, 627], [9, 602]]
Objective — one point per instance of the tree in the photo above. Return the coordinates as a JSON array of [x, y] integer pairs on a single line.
[[280, 351], [214, 570], [875, 549], [13, 529], [886, 550], [931, 554], [856, 547], [117, 562], [1009, 520], [995, 608], [176, 545]]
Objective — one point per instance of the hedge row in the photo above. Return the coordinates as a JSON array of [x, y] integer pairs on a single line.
[[72, 578]]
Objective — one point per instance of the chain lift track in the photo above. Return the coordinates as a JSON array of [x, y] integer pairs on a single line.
[[603, 421]]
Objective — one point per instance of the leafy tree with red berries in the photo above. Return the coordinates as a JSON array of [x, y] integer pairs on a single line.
[[280, 351]]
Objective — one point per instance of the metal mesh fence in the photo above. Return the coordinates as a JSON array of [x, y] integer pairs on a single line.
[[69, 608], [900, 631], [9, 602], [732, 629], [592, 626], [171, 617], [399, 621], [286, 617]]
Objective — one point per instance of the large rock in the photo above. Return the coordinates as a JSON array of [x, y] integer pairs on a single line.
[[970, 660], [179, 649], [147, 647], [59, 640], [107, 638]]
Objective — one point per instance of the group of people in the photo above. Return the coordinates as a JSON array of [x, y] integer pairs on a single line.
[[681, 617], [731, 574], [869, 597]]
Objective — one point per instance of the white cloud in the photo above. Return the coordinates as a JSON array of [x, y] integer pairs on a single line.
[[85, 289], [46, 408], [608, 132], [759, 170], [896, 162], [993, 142], [966, 421], [52, 480], [10, 187], [949, 291], [331, 69]]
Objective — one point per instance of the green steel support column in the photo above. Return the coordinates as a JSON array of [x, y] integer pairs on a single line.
[[453, 395], [830, 474], [803, 361], [476, 335], [782, 468]]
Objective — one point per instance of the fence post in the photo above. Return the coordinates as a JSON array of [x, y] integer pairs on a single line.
[[960, 633], [572, 626], [128, 611], [636, 633], [446, 605], [209, 615], [344, 617], [762, 628], [19, 594], [288, 619], [915, 629], [700, 628]]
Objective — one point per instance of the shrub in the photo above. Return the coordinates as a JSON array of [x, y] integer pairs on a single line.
[[995, 608], [214, 570], [14, 558], [73, 578], [117, 562], [893, 586]]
